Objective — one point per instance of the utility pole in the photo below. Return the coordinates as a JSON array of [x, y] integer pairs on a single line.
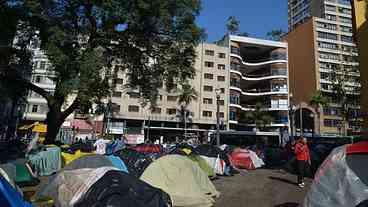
[[218, 91]]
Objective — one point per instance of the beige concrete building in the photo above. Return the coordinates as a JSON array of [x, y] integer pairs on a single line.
[[321, 48], [212, 69]]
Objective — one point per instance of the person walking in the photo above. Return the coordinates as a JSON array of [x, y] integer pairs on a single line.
[[303, 159]]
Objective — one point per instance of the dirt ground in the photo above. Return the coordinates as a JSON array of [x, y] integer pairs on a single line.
[[260, 188]]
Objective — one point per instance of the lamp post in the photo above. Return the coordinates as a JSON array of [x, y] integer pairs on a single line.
[[292, 108], [218, 91]]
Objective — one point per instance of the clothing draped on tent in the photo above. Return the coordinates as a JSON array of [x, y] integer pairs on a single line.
[[116, 189], [182, 179], [46, 162]]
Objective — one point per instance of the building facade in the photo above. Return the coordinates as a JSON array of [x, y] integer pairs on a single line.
[[164, 118], [321, 49], [258, 81], [360, 26]]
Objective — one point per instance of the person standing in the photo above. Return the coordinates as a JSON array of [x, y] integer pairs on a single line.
[[303, 159]]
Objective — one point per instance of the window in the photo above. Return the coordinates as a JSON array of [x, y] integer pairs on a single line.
[[116, 94], [118, 81], [221, 115], [208, 76], [346, 29], [325, 35], [133, 108], [331, 111], [221, 66], [172, 98], [331, 17], [37, 79], [156, 110], [331, 56], [209, 64], [344, 10], [43, 65], [209, 52], [133, 95], [222, 90], [345, 20], [207, 100], [160, 97], [222, 55], [326, 45], [330, 8], [207, 113], [34, 108], [346, 39], [221, 102], [332, 123], [326, 26], [220, 78], [171, 111], [207, 88]]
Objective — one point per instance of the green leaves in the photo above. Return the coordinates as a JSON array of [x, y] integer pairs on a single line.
[[232, 25], [275, 34]]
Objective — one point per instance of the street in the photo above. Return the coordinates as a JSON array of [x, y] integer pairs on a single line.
[[260, 188]]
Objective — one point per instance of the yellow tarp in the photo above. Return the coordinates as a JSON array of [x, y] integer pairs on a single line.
[[36, 127], [68, 158]]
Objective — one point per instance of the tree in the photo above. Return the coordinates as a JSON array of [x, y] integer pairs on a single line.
[[258, 116], [344, 95], [317, 101], [244, 34], [187, 95], [152, 40], [275, 34], [232, 25]]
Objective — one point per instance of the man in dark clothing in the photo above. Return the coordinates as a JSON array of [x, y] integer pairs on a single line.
[[303, 159]]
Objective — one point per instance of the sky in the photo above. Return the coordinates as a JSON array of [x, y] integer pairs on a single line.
[[257, 17]]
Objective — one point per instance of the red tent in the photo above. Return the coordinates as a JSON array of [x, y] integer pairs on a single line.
[[148, 148], [241, 159]]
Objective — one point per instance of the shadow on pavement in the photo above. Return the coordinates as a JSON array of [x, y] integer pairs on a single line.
[[287, 205], [282, 180]]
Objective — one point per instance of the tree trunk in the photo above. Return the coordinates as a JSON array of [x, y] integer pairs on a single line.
[[54, 121]]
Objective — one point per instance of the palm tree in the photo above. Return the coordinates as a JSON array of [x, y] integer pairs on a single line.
[[275, 34], [187, 95], [258, 116], [232, 25], [317, 101]]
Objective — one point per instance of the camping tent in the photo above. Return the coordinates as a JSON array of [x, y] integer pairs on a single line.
[[136, 162], [202, 164], [182, 179], [245, 159], [117, 188], [72, 183], [342, 179], [148, 148], [96, 161]]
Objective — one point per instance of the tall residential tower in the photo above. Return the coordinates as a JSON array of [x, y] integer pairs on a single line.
[[322, 52]]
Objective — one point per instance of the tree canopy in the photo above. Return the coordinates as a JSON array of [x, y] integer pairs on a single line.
[[153, 41], [232, 25], [275, 34]]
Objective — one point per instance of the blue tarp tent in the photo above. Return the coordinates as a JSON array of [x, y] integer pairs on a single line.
[[9, 197]]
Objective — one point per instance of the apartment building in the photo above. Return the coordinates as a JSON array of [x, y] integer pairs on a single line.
[[211, 67], [258, 76], [360, 27], [321, 48]]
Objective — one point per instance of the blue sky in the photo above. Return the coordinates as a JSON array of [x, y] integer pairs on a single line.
[[257, 17]]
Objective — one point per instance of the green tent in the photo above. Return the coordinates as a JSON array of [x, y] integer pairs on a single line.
[[202, 164], [185, 182]]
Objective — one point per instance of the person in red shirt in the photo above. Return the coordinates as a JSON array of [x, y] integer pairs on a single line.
[[303, 159]]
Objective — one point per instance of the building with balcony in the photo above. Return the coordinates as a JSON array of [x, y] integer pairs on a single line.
[[212, 67], [258, 76], [360, 28], [322, 51]]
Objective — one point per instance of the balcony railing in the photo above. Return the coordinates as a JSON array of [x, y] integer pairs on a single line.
[[279, 72]]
